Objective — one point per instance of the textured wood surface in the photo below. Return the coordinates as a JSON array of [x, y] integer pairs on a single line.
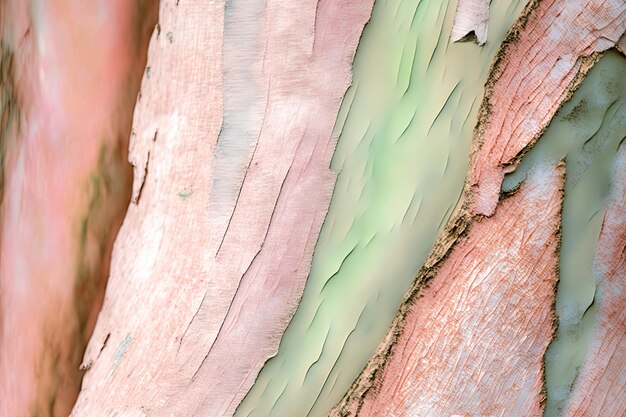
[[231, 146], [474, 340], [530, 80], [69, 83], [226, 272], [585, 132], [508, 123], [600, 388]]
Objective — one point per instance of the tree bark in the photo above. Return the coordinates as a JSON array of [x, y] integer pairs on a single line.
[[258, 269]]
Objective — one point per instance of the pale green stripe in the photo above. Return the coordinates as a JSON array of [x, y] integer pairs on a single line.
[[586, 131], [406, 126]]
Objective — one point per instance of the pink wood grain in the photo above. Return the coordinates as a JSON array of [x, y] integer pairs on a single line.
[[534, 75], [223, 288], [600, 388]]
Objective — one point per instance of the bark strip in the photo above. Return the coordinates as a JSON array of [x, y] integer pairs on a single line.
[[474, 340], [220, 239], [545, 57]]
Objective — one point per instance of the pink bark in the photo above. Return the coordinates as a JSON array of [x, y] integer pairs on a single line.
[[474, 340], [74, 69], [227, 281], [471, 16], [547, 56], [621, 44]]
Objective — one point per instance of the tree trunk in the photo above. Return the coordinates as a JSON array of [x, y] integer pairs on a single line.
[[337, 207]]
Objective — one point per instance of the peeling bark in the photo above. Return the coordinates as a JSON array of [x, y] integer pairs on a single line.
[[405, 130], [221, 236], [473, 341], [621, 44], [471, 20], [529, 81], [231, 145], [507, 125]]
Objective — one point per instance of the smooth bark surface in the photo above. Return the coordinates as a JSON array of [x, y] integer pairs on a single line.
[[600, 389], [70, 76]]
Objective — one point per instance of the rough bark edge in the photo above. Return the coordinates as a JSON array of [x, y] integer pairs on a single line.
[[495, 71], [299, 300], [9, 105], [621, 44], [459, 225]]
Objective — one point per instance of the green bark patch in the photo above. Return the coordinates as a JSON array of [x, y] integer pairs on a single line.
[[586, 131], [405, 128]]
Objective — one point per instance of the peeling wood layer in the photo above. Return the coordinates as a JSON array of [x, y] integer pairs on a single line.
[[586, 132], [530, 80], [228, 209], [478, 197], [600, 388], [67, 99], [473, 342], [471, 18], [405, 130]]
